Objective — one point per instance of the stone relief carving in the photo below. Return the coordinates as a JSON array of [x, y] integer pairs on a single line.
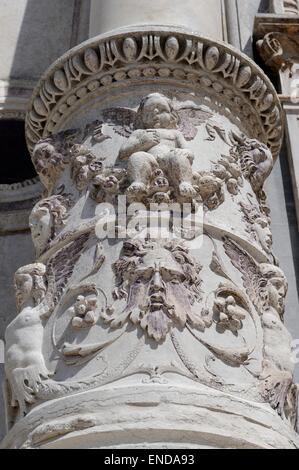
[[230, 310], [149, 56], [85, 166], [24, 362], [290, 7], [266, 286], [161, 285], [47, 218], [256, 161], [38, 290], [155, 174], [212, 316], [158, 144], [257, 225]]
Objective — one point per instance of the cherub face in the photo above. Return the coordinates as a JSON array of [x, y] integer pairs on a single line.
[[40, 224], [277, 292], [264, 233], [157, 113], [23, 286]]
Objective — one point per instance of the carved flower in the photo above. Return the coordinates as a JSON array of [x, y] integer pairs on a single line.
[[84, 312], [229, 313]]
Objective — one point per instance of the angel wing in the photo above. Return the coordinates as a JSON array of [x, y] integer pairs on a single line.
[[122, 120], [251, 276], [214, 129], [191, 117], [59, 271]]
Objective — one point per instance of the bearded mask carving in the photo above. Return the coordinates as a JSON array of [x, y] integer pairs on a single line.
[[161, 284]]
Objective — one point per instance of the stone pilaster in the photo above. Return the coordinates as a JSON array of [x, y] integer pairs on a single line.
[[131, 337], [278, 45]]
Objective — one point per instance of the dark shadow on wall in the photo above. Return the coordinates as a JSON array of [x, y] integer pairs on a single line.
[[290, 209], [264, 6], [240, 20]]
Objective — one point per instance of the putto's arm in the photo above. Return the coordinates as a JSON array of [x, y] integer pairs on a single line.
[[139, 141]]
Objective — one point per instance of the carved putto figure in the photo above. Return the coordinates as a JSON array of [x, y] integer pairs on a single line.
[[266, 286], [278, 366], [161, 285], [157, 143], [38, 290], [24, 362]]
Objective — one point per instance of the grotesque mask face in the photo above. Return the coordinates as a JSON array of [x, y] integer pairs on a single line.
[[155, 277], [40, 224], [161, 286], [23, 286], [156, 113]]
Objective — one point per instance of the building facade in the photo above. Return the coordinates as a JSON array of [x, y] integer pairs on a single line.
[[138, 115]]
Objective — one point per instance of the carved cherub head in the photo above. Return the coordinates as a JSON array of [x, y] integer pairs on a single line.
[[156, 112], [258, 224], [30, 284], [44, 220], [276, 286], [160, 282], [263, 232], [40, 222]]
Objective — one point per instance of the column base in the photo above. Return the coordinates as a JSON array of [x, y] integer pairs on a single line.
[[152, 416]]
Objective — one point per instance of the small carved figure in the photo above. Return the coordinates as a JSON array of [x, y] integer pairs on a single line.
[[256, 160], [52, 154], [210, 189], [257, 225], [157, 143], [278, 367], [38, 290], [24, 362], [266, 286]]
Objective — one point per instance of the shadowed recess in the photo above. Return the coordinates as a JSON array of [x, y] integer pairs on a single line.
[[17, 164]]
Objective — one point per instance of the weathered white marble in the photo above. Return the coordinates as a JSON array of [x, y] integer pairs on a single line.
[[167, 333]]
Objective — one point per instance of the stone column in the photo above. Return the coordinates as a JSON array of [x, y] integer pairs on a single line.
[[198, 15], [131, 338], [278, 45]]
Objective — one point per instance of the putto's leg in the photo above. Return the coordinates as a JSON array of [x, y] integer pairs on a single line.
[[141, 166], [180, 171]]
